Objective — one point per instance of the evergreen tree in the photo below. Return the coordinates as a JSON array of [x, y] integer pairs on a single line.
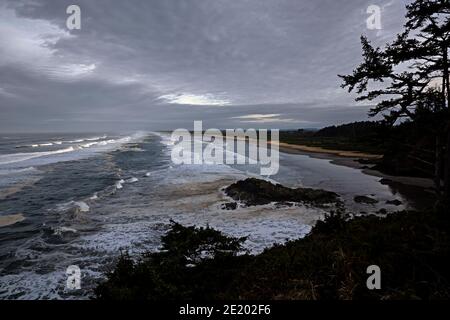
[[412, 74]]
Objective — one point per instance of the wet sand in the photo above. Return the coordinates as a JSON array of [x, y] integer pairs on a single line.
[[350, 159], [11, 219], [320, 150], [418, 190]]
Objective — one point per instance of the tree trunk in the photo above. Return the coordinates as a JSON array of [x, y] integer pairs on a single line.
[[446, 75], [438, 165], [447, 163], [446, 127]]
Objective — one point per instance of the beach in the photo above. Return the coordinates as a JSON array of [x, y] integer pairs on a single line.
[[115, 193]]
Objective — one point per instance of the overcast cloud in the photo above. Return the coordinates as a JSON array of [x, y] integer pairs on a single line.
[[161, 64]]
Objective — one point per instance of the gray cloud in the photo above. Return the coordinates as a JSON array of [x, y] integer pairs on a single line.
[[162, 64]]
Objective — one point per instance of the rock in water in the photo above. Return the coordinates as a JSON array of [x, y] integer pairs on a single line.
[[365, 200], [229, 206], [253, 192], [395, 202]]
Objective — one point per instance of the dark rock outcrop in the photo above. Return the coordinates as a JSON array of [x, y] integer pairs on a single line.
[[386, 182], [365, 200], [229, 206], [253, 192], [395, 202]]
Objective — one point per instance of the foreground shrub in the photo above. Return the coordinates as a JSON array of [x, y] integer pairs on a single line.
[[411, 248]]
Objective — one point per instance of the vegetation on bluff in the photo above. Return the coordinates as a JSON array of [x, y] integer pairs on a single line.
[[407, 83], [409, 79], [411, 248], [408, 148]]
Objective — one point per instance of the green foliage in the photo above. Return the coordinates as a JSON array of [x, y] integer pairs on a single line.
[[411, 248], [363, 130], [197, 243], [401, 79], [186, 267], [407, 66], [365, 136]]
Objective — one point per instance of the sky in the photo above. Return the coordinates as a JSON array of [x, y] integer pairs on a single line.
[[161, 64]]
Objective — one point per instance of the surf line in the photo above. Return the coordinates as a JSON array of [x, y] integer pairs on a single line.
[[237, 146]]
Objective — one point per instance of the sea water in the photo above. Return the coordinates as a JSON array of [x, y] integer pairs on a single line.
[[85, 198]]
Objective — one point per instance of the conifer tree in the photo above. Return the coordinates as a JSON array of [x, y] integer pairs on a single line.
[[411, 74]]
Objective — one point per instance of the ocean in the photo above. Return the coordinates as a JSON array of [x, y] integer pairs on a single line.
[[82, 199]]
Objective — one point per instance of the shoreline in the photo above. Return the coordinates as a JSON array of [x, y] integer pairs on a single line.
[[349, 159], [320, 150]]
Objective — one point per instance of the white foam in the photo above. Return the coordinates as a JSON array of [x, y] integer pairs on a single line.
[[19, 157], [94, 197], [112, 143], [6, 172], [79, 205], [46, 144], [58, 231], [106, 142], [97, 138], [83, 151], [88, 139], [195, 157], [88, 145], [166, 140], [119, 184], [30, 285], [82, 206]]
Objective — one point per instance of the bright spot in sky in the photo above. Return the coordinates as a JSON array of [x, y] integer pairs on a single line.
[[78, 69], [193, 99], [263, 118]]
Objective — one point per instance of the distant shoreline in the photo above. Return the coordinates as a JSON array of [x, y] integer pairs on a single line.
[[341, 153], [412, 186]]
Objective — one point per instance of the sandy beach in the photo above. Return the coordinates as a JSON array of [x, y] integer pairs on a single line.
[[340, 153], [349, 159]]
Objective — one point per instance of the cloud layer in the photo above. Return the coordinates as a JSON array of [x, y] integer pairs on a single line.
[[162, 64]]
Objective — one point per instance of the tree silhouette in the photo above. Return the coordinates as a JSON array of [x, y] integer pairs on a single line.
[[402, 90], [410, 75]]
